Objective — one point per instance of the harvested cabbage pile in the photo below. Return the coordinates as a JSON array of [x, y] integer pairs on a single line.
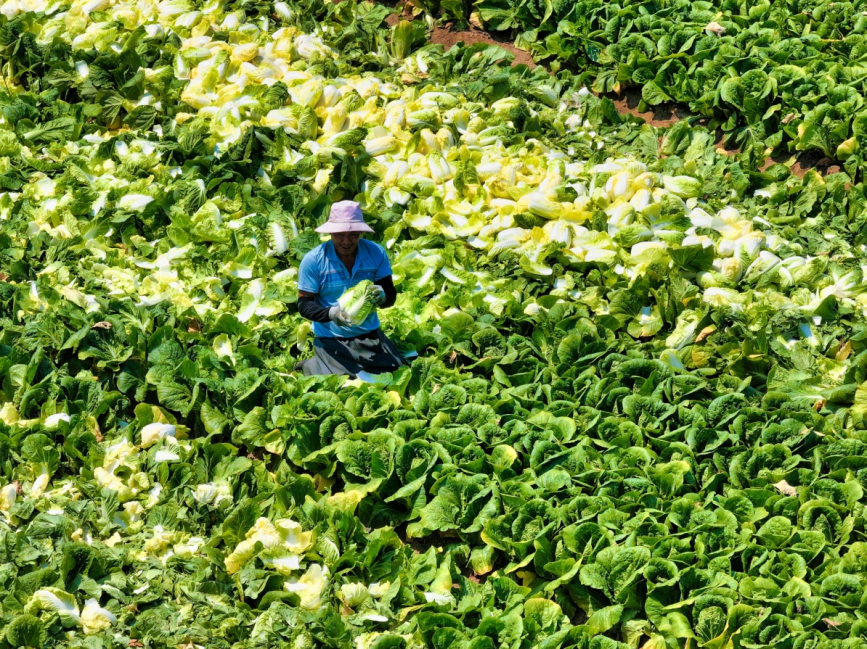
[[638, 415]]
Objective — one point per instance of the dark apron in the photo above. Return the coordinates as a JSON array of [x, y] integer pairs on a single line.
[[371, 352]]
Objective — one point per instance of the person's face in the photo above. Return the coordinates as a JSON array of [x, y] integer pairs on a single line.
[[346, 243]]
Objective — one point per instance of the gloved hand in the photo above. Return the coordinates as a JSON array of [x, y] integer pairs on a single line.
[[339, 317], [377, 294]]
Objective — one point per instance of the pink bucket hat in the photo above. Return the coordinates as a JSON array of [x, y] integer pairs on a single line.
[[345, 216]]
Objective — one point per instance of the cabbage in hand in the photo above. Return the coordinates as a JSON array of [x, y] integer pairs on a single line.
[[358, 301]]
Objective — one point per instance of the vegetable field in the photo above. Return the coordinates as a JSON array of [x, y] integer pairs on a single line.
[[776, 77], [637, 419]]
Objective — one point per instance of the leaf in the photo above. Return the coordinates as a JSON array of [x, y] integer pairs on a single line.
[[26, 631], [239, 521], [604, 619], [176, 396], [653, 95], [692, 258], [62, 129], [213, 420]]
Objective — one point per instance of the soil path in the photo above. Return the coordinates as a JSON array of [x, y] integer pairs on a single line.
[[626, 102], [447, 35]]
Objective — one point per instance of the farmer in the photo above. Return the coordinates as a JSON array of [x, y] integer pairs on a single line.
[[342, 346]]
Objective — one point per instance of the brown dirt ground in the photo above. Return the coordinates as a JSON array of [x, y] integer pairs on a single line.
[[447, 35], [660, 116], [804, 162], [626, 102]]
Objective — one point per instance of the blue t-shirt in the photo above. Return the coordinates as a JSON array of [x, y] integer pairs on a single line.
[[324, 274]]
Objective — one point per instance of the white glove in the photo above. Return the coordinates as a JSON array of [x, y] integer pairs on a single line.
[[377, 294], [339, 317]]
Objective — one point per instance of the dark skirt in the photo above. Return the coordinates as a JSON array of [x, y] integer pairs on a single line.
[[373, 353]]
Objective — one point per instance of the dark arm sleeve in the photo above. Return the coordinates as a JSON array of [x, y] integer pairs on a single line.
[[309, 309], [387, 284]]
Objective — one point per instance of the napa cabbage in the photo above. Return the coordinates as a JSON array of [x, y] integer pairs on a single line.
[[358, 301]]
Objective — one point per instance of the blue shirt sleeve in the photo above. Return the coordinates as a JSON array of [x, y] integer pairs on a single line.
[[384, 267], [308, 273]]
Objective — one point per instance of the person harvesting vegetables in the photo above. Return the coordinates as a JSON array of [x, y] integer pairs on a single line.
[[341, 284]]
